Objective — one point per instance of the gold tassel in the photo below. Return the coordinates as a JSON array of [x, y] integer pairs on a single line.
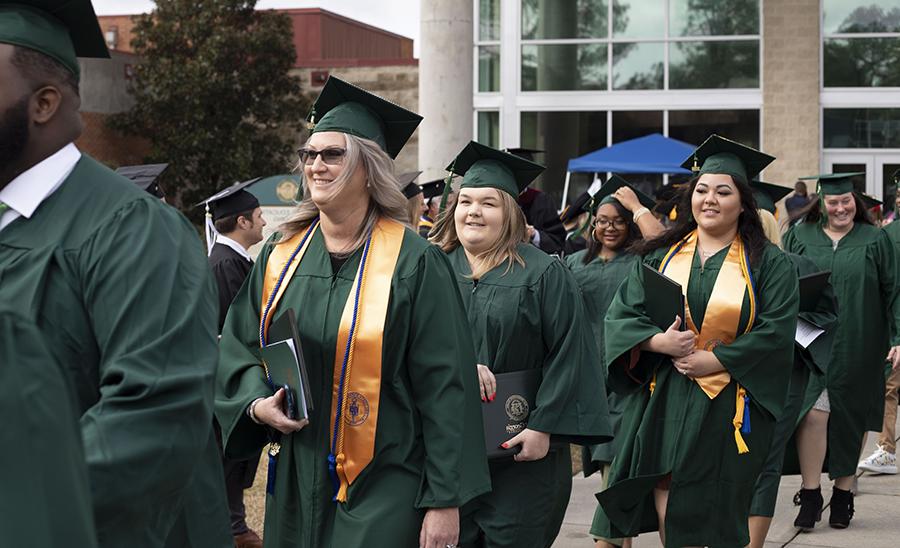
[[653, 383], [738, 421], [342, 477]]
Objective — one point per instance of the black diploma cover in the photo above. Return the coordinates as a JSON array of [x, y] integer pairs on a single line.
[[811, 287], [664, 299], [283, 369], [507, 415]]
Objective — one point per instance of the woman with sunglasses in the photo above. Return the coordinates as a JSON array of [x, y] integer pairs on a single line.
[[701, 403], [620, 217], [840, 406], [525, 315], [393, 444]]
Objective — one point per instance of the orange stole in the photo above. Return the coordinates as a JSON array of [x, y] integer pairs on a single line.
[[723, 314]]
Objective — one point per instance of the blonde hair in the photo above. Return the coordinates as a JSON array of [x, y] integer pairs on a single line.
[[770, 226], [386, 198], [414, 211], [512, 233]]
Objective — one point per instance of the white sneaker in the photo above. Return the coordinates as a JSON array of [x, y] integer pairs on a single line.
[[879, 462]]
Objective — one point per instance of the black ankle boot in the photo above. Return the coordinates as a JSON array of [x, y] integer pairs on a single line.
[[841, 508], [810, 502]]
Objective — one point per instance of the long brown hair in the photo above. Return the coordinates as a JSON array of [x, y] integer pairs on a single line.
[[512, 233]]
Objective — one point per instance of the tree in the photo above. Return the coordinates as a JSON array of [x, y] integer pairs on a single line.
[[213, 94]]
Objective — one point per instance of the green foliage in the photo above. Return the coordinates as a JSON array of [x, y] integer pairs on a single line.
[[214, 95]]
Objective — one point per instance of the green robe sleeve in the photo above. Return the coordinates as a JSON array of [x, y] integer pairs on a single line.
[[45, 499], [571, 402], [152, 303], [888, 263], [626, 327], [241, 377], [754, 359], [444, 383]]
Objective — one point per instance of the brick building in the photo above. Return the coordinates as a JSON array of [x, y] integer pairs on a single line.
[[326, 43]]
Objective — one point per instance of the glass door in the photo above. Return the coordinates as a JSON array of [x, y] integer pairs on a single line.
[[886, 165], [855, 163]]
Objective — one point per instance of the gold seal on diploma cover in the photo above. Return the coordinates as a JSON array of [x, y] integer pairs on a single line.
[[517, 408]]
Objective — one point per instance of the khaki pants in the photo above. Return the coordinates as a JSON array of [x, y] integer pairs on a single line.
[[888, 437]]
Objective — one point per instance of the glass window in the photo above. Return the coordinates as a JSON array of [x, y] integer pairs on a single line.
[[638, 65], [564, 67], [489, 128], [713, 17], [554, 19], [708, 65], [851, 16], [489, 68], [861, 62], [639, 18], [694, 126], [861, 128], [633, 124], [489, 20], [563, 136]]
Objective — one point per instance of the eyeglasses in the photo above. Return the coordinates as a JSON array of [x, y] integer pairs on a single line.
[[617, 223], [330, 156]]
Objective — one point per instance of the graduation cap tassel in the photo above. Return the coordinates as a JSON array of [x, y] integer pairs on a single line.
[[210, 231], [446, 193]]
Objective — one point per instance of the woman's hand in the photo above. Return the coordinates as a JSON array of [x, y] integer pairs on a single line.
[[894, 355], [672, 342], [698, 363], [487, 382], [270, 411], [534, 445], [440, 528], [627, 198]]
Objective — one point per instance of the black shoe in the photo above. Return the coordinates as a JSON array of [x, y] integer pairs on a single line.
[[841, 508], [810, 502]]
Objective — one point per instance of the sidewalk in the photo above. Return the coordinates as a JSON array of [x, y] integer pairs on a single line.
[[876, 523]]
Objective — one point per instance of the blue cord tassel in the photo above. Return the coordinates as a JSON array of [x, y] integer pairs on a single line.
[[745, 422], [332, 473], [270, 477]]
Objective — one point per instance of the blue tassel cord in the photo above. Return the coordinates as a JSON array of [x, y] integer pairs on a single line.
[[745, 422]]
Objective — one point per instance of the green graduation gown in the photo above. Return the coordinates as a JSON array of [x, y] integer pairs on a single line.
[[864, 276], [118, 284], [812, 360], [532, 317], [429, 443], [677, 429], [599, 279], [45, 499]]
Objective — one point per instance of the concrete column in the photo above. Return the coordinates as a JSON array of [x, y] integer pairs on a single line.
[[445, 83], [791, 110]]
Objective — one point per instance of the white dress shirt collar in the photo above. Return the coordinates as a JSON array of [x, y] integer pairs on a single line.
[[225, 240], [25, 193]]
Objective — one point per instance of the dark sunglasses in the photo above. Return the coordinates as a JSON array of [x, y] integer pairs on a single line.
[[330, 156]]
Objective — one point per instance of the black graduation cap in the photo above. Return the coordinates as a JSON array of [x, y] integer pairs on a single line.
[[345, 108], [62, 30], [605, 194], [408, 184], [432, 189], [767, 194], [232, 200], [870, 201], [145, 177], [527, 153], [484, 167], [576, 208]]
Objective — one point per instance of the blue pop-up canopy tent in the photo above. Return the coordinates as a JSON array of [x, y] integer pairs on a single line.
[[649, 154]]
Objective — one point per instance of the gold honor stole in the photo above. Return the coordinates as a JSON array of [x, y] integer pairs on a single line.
[[356, 386], [723, 315]]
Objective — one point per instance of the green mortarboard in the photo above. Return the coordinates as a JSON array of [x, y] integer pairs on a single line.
[[346, 108], [432, 189], [484, 167], [767, 194], [527, 153], [831, 184], [145, 177], [61, 29], [408, 184], [724, 156], [605, 194], [870, 201]]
